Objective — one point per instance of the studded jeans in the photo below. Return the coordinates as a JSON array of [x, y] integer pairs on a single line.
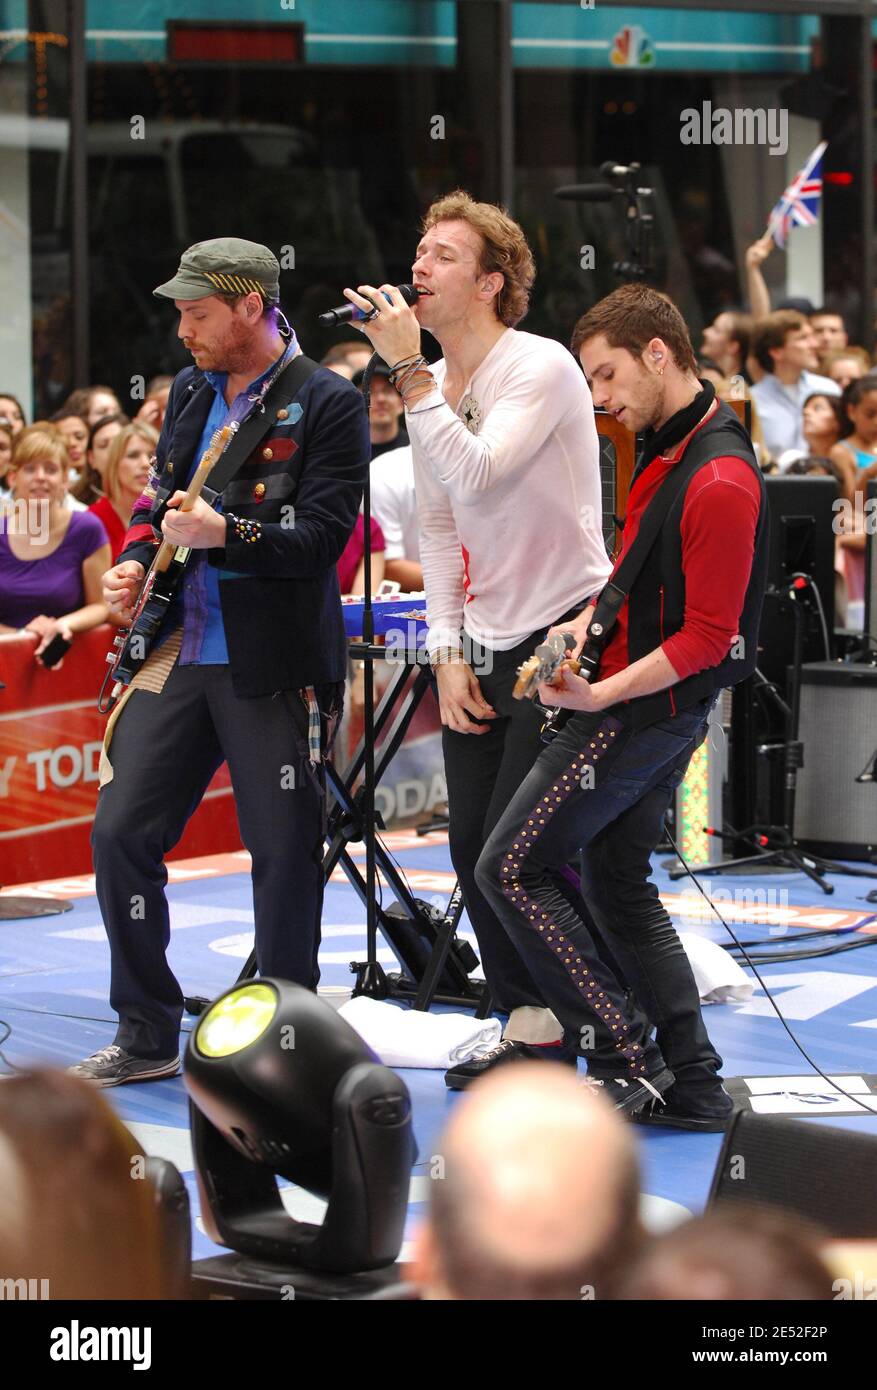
[[603, 789]]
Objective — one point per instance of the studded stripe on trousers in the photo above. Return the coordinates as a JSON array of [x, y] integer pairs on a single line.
[[513, 889]]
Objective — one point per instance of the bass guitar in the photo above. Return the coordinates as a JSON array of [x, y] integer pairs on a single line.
[[164, 577]]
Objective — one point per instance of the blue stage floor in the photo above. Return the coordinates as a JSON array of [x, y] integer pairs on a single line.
[[54, 979]]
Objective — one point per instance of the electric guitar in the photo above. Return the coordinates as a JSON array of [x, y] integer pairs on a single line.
[[162, 582], [543, 667]]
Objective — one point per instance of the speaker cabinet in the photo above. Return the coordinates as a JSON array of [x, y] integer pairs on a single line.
[[834, 814], [819, 1172]]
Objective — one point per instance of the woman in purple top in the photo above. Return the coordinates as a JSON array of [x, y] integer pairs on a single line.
[[51, 559]]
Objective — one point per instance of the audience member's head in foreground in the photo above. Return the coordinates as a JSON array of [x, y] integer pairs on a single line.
[[735, 1253], [536, 1196], [76, 1209]]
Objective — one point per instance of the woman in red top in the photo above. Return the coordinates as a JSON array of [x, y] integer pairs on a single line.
[[125, 476], [351, 564]]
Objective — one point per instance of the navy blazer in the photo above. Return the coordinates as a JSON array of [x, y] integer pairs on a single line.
[[303, 480]]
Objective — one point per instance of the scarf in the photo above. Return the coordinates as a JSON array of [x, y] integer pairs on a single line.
[[658, 442]]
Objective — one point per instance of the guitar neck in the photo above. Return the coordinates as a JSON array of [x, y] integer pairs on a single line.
[[217, 445]]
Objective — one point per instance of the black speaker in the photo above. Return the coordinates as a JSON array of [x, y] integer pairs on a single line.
[[834, 814], [801, 541], [818, 1172]]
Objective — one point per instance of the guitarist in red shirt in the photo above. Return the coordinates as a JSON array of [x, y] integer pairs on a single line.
[[687, 628]]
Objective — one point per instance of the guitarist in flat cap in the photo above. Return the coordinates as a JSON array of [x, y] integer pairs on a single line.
[[248, 664]]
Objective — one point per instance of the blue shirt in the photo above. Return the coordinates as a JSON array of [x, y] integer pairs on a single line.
[[781, 409], [204, 641]]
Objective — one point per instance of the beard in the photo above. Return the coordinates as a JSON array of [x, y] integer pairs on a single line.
[[232, 351]]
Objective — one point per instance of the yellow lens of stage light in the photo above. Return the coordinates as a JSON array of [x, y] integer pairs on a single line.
[[236, 1021]]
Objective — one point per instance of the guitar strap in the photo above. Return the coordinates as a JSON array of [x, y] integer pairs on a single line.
[[614, 593], [287, 385]]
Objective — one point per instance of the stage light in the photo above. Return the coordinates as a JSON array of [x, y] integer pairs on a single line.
[[236, 1020], [281, 1086]]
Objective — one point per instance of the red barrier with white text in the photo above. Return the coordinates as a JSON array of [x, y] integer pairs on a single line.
[[50, 742]]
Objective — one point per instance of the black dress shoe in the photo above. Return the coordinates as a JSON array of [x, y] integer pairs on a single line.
[[704, 1114], [462, 1075]]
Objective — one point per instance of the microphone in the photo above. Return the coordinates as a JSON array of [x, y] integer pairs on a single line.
[[351, 313], [587, 192]]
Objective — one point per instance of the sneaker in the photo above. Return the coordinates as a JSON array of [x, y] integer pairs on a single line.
[[680, 1111], [631, 1094], [113, 1066], [462, 1075]]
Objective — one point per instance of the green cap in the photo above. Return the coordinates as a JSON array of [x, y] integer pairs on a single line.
[[226, 265]]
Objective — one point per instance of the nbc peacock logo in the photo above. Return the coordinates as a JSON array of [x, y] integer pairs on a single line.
[[632, 48]]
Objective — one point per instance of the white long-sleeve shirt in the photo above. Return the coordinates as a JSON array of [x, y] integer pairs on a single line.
[[510, 514]]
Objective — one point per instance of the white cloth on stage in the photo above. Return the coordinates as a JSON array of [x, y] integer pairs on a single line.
[[719, 979], [410, 1038]]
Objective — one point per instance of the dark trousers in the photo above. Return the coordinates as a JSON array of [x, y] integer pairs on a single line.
[[164, 751], [483, 772], [603, 789]]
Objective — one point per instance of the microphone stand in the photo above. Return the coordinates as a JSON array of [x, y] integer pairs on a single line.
[[370, 976]]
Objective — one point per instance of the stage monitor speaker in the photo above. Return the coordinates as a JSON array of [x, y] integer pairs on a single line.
[[834, 814], [871, 562], [819, 1172], [801, 541]]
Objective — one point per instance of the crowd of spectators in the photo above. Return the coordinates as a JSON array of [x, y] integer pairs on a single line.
[[67, 489], [813, 405]]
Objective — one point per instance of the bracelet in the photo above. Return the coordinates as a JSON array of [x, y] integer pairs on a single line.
[[406, 362], [416, 377], [248, 531], [446, 656], [410, 370]]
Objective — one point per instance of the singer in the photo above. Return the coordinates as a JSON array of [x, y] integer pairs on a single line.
[[687, 629], [508, 492]]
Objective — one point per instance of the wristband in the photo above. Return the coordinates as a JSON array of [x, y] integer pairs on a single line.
[[247, 531]]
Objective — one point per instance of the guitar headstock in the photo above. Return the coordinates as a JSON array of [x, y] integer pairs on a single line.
[[218, 444], [542, 667]]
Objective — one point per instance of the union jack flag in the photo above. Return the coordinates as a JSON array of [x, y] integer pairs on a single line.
[[799, 205]]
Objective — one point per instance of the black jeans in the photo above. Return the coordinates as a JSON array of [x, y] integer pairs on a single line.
[[603, 789], [164, 751], [483, 772]]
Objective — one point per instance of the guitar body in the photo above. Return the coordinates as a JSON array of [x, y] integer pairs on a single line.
[[558, 716], [162, 582], [133, 646], [543, 667]]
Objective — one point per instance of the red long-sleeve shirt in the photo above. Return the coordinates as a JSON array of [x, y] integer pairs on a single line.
[[719, 518]]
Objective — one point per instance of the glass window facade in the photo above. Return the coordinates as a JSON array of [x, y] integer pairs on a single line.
[[325, 127]]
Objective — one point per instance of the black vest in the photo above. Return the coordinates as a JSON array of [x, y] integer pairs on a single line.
[[656, 605]]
